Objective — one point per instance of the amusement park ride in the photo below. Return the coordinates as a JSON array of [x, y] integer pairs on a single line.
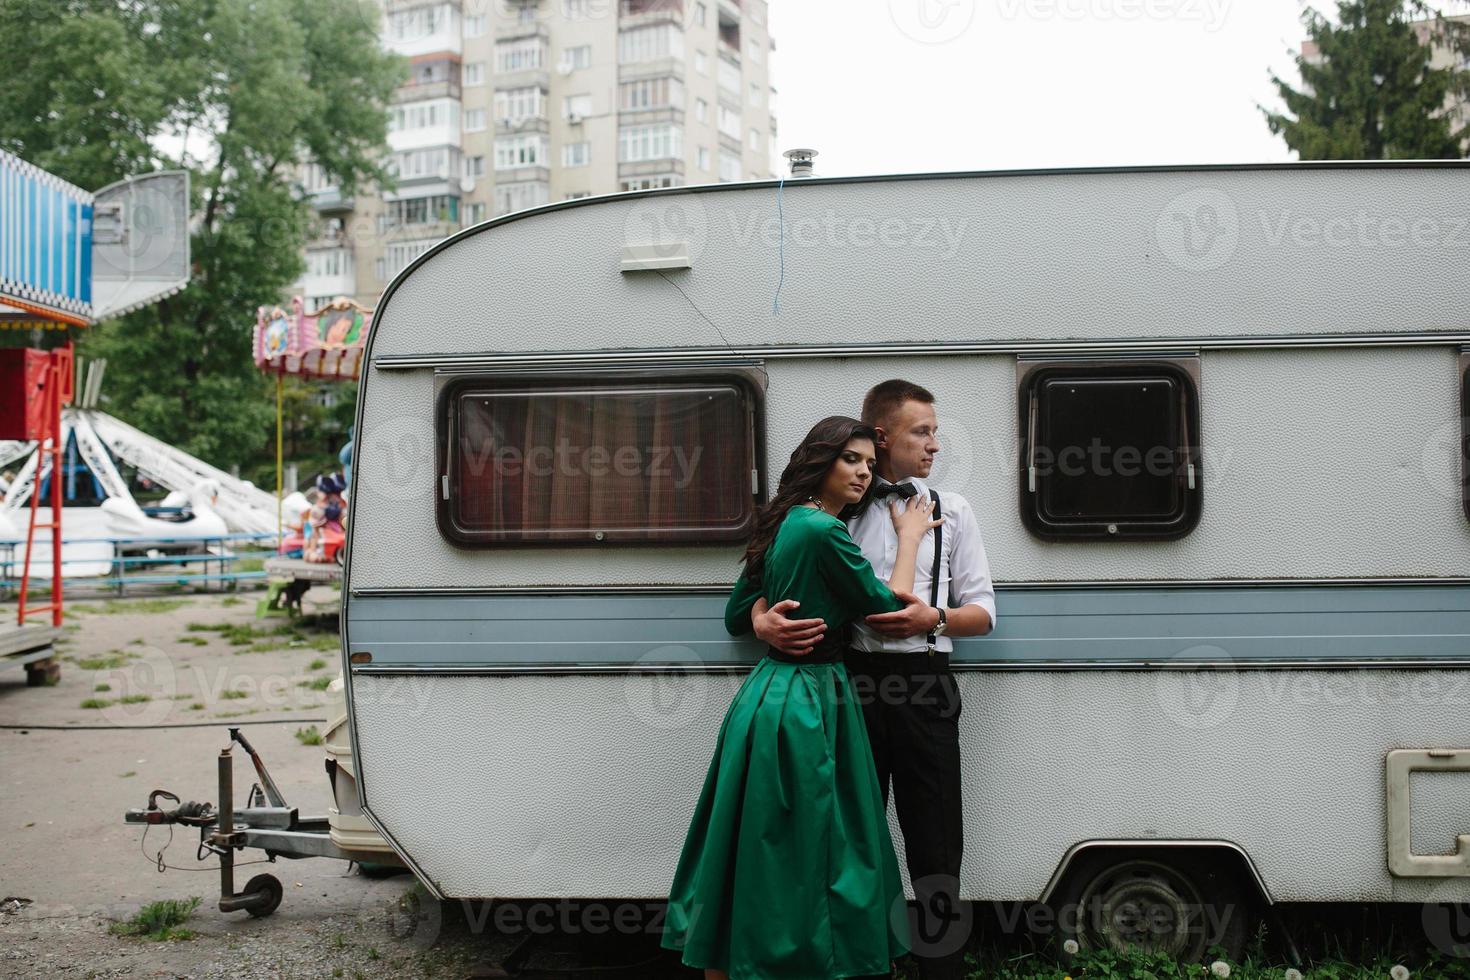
[[69, 258]]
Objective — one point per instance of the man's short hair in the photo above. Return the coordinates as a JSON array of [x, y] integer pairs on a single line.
[[882, 400]]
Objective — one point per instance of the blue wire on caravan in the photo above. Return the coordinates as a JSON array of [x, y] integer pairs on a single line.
[[781, 244]]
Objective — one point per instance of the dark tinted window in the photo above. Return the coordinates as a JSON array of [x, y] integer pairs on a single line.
[[1109, 450], [601, 462]]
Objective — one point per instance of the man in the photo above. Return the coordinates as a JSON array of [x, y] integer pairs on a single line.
[[899, 663]]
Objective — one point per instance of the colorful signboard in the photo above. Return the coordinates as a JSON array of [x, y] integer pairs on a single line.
[[326, 343]]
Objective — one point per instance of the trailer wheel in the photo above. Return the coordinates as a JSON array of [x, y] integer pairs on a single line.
[[1180, 906], [270, 890]]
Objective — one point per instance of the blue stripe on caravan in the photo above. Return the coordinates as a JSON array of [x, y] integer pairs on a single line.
[[1247, 624], [86, 291]]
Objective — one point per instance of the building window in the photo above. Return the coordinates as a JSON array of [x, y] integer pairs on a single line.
[[755, 94], [474, 214], [417, 23], [531, 150], [650, 93], [728, 76], [704, 159], [474, 74], [474, 167], [755, 140], [598, 463], [1110, 450], [380, 269], [474, 120], [435, 209], [660, 142], [701, 14], [423, 115], [516, 105], [437, 162], [650, 183], [400, 254], [730, 166], [523, 54], [576, 107], [650, 44], [701, 110], [327, 263], [575, 9], [577, 195], [520, 195], [577, 58], [755, 52], [729, 122], [475, 26], [576, 154], [701, 63]]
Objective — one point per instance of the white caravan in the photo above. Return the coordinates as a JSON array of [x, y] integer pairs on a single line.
[[1211, 422]]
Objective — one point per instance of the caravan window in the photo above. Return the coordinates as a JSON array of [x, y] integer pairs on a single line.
[[607, 462], [1465, 431], [1110, 449]]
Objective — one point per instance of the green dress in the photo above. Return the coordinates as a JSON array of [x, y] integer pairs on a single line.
[[788, 869]]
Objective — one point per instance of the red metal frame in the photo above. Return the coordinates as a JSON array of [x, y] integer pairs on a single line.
[[56, 379]]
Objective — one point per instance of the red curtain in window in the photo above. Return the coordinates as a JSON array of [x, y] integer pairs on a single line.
[[649, 464]]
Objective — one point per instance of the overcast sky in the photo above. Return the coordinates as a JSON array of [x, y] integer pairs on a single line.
[[892, 86]]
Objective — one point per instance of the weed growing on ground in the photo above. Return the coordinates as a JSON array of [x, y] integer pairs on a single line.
[[316, 664], [233, 695], [309, 736], [136, 606], [95, 703], [316, 683], [112, 661], [159, 921]]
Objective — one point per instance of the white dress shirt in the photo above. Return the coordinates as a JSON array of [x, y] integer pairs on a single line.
[[963, 567]]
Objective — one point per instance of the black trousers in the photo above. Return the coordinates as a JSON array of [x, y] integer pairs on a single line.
[[911, 706]]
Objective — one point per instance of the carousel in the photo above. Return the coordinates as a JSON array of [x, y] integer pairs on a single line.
[[326, 343]]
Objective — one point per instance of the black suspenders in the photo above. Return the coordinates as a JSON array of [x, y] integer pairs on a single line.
[[938, 554]]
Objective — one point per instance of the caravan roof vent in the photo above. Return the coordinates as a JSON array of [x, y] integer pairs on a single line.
[[801, 162]]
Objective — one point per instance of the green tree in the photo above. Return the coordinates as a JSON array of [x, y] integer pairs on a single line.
[[1371, 92], [240, 92]]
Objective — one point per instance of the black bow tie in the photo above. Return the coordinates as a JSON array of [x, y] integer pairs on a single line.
[[902, 490]]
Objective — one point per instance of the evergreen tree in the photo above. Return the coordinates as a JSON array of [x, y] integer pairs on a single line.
[[240, 92], [1371, 93]]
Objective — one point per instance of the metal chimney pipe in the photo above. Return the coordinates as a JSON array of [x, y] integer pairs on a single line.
[[801, 162]]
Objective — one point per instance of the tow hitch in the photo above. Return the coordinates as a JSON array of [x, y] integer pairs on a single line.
[[265, 822]]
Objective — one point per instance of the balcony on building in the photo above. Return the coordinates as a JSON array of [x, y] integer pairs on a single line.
[[432, 76], [637, 13], [330, 271], [728, 41], [419, 27], [331, 200], [673, 166]]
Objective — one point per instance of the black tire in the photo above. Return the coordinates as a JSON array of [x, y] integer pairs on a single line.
[[1179, 904], [269, 887]]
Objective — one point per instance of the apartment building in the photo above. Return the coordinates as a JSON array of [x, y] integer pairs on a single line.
[[517, 103]]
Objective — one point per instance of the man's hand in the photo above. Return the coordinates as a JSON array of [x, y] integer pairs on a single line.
[[916, 618], [793, 637]]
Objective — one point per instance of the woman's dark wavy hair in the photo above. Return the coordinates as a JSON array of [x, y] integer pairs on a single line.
[[801, 480]]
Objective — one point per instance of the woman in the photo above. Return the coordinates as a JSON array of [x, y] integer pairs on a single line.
[[788, 870]]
